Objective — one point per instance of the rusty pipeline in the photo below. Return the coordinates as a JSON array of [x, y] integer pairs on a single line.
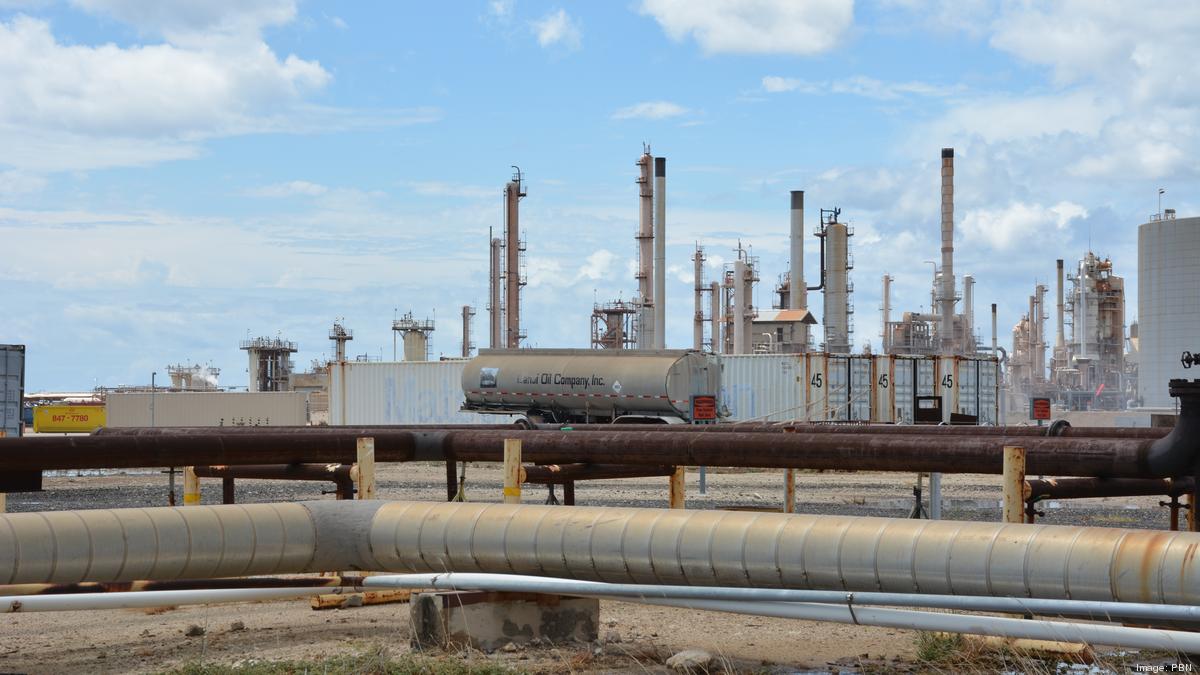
[[1087, 488], [564, 473], [353, 581]]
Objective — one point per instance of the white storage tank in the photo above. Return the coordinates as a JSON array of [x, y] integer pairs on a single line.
[[1168, 309]]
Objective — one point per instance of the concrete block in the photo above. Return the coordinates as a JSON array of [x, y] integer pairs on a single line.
[[490, 620]]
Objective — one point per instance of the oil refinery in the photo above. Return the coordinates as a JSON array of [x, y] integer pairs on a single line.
[[384, 338]]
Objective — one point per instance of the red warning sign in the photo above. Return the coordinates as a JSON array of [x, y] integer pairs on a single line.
[[704, 409], [1039, 408]]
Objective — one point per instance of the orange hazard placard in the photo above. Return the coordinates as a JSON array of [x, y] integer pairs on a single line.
[[704, 408], [1039, 408]]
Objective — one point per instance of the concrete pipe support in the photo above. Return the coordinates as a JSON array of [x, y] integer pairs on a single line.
[[622, 545]]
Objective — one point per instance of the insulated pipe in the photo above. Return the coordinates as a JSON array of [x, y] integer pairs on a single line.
[[947, 291], [205, 596], [516, 583], [660, 252], [620, 545]]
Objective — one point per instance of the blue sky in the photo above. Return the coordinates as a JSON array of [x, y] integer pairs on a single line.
[[175, 177]]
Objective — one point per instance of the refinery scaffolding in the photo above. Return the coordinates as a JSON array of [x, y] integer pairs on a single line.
[[270, 363], [613, 325]]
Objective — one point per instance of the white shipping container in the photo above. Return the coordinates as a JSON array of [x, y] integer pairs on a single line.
[[206, 409], [854, 388], [404, 392]]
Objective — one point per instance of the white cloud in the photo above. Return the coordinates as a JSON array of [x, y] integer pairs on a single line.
[[182, 21], [650, 110], [295, 188], [433, 188], [558, 28], [1018, 224], [598, 265], [501, 9], [68, 106], [15, 183], [755, 26], [867, 87]]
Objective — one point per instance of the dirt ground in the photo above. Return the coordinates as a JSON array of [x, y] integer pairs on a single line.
[[633, 637]]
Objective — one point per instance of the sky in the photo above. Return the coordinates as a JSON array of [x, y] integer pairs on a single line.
[[176, 177]]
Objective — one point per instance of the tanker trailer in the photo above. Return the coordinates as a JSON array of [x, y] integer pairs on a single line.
[[588, 385]]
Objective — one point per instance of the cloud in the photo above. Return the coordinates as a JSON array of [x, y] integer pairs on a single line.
[[501, 9], [867, 87], [182, 21], [558, 28], [597, 266], [433, 188], [293, 188], [754, 26], [1017, 224], [650, 110], [70, 106], [15, 183]]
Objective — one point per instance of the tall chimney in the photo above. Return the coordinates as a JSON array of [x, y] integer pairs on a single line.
[[699, 288], [995, 350], [1031, 337], [645, 238], [886, 311], [467, 313], [739, 308], [714, 316], [968, 345], [660, 252], [1060, 339], [947, 291], [513, 192], [1041, 331], [797, 290], [495, 312]]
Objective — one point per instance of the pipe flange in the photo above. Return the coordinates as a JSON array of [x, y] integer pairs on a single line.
[[1057, 427]]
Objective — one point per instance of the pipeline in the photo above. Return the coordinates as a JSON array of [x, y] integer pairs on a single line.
[[1174, 455], [1062, 430], [1087, 488], [621, 545], [182, 585], [143, 599], [565, 473], [338, 474]]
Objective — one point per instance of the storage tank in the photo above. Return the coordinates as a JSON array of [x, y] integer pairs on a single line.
[[573, 385], [1168, 317]]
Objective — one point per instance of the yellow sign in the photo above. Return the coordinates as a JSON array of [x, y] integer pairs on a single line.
[[67, 419]]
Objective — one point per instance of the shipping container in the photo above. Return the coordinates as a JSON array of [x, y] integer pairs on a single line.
[[407, 392], [855, 388], [12, 388], [207, 409], [67, 419]]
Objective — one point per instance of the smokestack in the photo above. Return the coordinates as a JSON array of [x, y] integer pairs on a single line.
[[797, 290], [1031, 337], [1041, 331], [495, 313], [995, 350], [968, 344], [739, 307], [512, 264], [660, 252], [714, 317], [467, 312], [645, 239], [947, 312], [886, 310], [698, 317], [1059, 342]]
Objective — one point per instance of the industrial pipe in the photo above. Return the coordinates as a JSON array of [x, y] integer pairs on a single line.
[[129, 600], [181, 585], [660, 252], [622, 545], [565, 473], [1087, 488], [338, 474], [1063, 431]]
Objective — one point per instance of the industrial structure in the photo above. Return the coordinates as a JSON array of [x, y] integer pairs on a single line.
[[340, 335], [1086, 368], [270, 363], [194, 377], [506, 274], [468, 346], [1168, 319], [943, 330], [614, 325], [414, 335]]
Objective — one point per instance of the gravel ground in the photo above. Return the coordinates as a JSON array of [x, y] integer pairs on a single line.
[[636, 637]]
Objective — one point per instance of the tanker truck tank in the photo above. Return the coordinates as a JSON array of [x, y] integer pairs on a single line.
[[582, 385]]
